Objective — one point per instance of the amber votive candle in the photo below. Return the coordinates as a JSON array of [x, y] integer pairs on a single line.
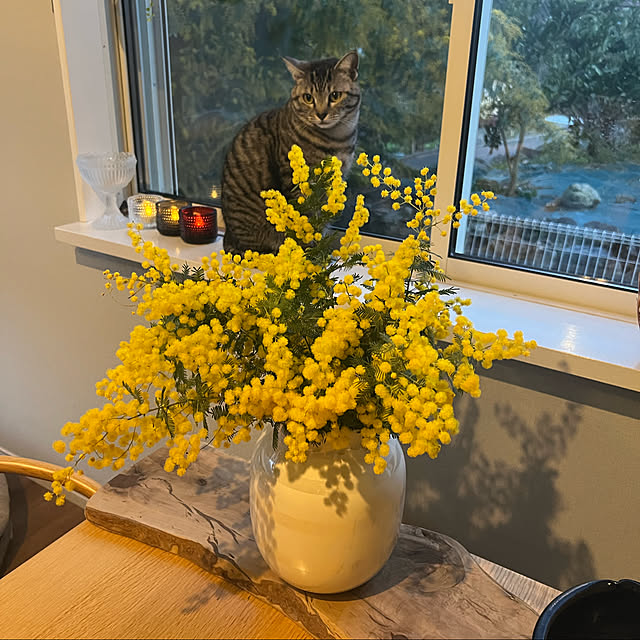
[[198, 224], [168, 216]]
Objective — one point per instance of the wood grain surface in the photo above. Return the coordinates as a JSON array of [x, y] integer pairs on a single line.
[[91, 583], [430, 588], [534, 593]]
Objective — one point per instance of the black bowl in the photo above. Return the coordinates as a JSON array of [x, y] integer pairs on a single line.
[[597, 609]]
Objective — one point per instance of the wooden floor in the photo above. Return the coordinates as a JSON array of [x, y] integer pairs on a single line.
[[36, 523]]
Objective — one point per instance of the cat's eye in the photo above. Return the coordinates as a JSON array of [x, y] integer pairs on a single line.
[[308, 98], [334, 96]]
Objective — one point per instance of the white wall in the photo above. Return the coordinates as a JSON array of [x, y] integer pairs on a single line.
[[543, 477], [58, 331]]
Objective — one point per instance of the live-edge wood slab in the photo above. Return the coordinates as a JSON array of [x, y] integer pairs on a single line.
[[430, 588]]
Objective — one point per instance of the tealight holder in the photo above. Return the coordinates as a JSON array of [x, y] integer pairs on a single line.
[[142, 209], [198, 224], [168, 216]]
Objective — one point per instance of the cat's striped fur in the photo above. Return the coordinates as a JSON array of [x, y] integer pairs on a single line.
[[321, 117]]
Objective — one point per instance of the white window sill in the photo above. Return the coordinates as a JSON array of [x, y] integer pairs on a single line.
[[589, 346]]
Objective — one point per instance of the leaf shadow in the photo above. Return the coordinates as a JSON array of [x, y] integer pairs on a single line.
[[504, 510]]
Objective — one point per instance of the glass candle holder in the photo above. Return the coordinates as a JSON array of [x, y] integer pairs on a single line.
[[198, 224], [168, 216], [142, 209]]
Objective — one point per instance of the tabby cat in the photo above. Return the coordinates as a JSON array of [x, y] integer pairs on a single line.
[[321, 117]]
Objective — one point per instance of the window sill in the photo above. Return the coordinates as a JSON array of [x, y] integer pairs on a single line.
[[589, 346]]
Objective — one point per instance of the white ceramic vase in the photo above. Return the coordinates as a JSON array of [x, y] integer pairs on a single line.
[[329, 524]]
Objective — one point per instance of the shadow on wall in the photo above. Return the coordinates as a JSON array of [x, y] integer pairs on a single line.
[[502, 510]]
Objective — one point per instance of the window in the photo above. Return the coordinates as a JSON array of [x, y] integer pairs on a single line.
[[540, 105], [557, 102], [558, 139], [208, 68]]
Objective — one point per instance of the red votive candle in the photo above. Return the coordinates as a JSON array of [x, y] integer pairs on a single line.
[[198, 224]]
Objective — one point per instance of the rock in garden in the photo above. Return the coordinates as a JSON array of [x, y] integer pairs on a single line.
[[621, 198], [562, 220], [602, 226], [579, 195]]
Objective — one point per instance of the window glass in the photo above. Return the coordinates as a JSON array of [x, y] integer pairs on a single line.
[[558, 141], [223, 61]]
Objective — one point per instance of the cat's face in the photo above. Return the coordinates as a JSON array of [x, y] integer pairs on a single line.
[[326, 92]]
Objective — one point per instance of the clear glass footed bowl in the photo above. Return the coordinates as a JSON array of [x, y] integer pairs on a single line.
[[107, 173]]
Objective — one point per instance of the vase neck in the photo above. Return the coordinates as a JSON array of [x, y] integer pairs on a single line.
[[354, 442]]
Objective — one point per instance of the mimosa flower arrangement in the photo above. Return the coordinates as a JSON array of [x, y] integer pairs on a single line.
[[316, 341]]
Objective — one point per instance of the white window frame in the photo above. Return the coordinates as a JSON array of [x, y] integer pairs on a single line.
[[100, 119], [90, 52], [154, 89], [555, 291]]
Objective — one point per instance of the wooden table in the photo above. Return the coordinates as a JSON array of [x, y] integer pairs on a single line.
[[92, 583]]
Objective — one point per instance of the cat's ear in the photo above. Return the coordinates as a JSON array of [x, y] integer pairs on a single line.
[[348, 64], [296, 67]]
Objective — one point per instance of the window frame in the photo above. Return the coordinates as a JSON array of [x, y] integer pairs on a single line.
[[460, 116], [86, 98], [154, 96]]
